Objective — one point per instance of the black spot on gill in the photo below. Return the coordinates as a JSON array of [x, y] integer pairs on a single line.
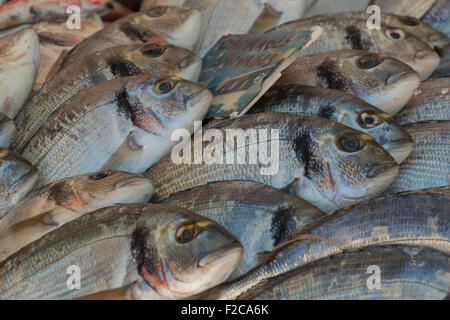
[[137, 245], [124, 106], [334, 79], [355, 39], [136, 32], [60, 192], [282, 226], [302, 146], [124, 68], [326, 111]]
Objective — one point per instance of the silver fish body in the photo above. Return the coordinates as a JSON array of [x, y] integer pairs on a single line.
[[342, 32], [117, 62], [376, 78], [339, 107], [19, 64], [176, 252], [259, 216], [123, 124], [407, 273], [348, 167], [430, 102], [171, 24], [415, 218], [428, 164], [7, 129], [17, 179], [50, 207]]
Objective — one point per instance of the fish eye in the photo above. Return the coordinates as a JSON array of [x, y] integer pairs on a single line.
[[409, 21], [186, 233], [395, 34], [370, 61], [154, 51], [99, 176], [164, 86], [350, 142], [156, 12], [369, 119]]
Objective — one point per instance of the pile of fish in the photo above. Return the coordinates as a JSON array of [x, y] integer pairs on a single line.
[[88, 180]]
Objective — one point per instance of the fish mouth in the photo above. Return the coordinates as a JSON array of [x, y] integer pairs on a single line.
[[381, 170], [191, 67], [425, 62], [134, 182], [400, 149], [200, 98], [232, 254]]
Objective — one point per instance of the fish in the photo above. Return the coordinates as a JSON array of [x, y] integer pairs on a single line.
[[428, 164], [244, 208], [415, 8], [172, 24], [157, 59], [430, 102], [342, 108], [17, 178], [221, 17], [438, 16], [56, 40], [413, 218], [123, 124], [19, 64], [323, 162], [62, 201], [7, 129], [342, 32], [19, 12], [176, 252], [376, 78], [407, 273]]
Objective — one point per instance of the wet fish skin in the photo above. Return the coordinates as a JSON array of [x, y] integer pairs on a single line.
[[50, 207], [56, 40], [415, 8], [418, 218], [172, 24], [7, 129], [408, 273], [430, 102], [135, 59], [122, 124], [342, 32], [17, 178], [244, 208], [19, 64], [376, 78], [428, 164], [328, 177], [120, 245], [339, 107]]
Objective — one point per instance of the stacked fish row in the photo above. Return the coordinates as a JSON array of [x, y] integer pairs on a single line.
[[91, 146]]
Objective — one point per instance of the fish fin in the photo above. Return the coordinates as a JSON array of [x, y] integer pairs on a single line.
[[267, 19], [57, 65], [112, 294], [125, 152], [264, 257]]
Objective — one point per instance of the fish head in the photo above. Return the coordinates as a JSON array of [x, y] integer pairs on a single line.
[[17, 177], [167, 104], [379, 125], [377, 78], [405, 47], [176, 25], [342, 166], [187, 254], [89, 192], [176, 61], [19, 48]]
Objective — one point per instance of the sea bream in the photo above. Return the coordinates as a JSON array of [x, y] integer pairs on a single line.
[[339, 107], [407, 273], [415, 218], [19, 64], [376, 78], [244, 208], [7, 129], [428, 164], [157, 59], [174, 251], [124, 124], [342, 32], [56, 40], [175, 25], [17, 12], [325, 163], [430, 102], [60, 202], [17, 178]]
